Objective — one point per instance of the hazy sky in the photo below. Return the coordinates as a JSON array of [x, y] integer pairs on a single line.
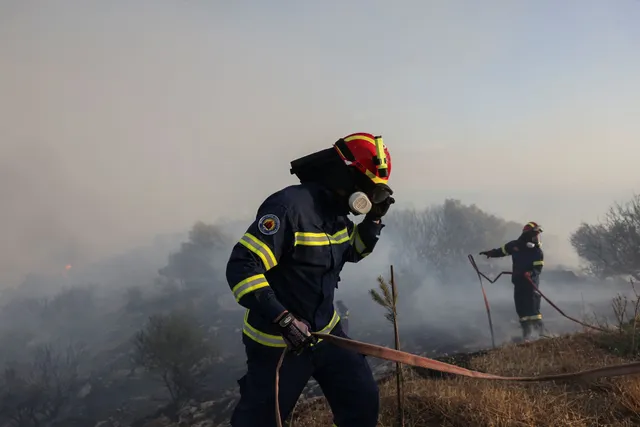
[[121, 119]]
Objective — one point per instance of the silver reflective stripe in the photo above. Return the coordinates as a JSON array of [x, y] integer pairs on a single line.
[[261, 337], [311, 239], [264, 339], [341, 236], [250, 284], [321, 239], [275, 340], [260, 249]]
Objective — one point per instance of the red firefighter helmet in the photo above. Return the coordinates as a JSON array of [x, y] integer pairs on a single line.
[[532, 226], [368, 154]]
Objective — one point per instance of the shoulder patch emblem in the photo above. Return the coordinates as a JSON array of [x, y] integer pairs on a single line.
[[269, 224]]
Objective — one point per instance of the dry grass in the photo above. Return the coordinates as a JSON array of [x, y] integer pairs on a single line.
[[467, 402]]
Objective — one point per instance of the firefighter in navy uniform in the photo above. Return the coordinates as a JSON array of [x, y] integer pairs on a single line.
[[285, 270], [528, 260]]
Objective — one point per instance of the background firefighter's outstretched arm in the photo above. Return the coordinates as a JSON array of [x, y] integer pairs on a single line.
[[255, 254], [504, 250], [363, 239]]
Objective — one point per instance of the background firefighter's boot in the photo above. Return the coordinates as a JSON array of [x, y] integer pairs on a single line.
[[538, 326], [526, 330]]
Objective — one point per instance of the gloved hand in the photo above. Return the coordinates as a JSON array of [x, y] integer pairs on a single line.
[[294, 332], [379, 210], [485, 253]]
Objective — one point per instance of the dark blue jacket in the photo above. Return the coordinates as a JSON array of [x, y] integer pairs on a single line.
[[291, 257], [523, 258]]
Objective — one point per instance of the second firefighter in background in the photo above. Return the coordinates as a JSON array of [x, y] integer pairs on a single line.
[[527, 260]]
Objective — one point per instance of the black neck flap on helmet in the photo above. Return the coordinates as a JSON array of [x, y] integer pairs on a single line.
[[327, 168]]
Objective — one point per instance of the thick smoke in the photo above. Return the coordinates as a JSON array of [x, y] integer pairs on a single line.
[[123, 123]]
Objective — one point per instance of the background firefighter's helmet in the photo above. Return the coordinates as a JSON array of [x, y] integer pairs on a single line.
[[531, 234], [532, 227]]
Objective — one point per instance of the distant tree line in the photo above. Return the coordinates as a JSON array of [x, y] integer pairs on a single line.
[[193, 265], [611, 247], [436, 240]]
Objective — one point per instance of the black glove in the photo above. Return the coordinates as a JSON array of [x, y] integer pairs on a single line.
[[379, 210], [295, 333], [485, 253]]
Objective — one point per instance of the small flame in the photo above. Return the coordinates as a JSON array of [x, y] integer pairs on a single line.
[[67, 267]]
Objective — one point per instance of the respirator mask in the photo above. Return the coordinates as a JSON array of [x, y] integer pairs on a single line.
[[534, 240], [365, 194]]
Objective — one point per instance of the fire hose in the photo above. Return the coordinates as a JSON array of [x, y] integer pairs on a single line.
[[535, 288], [486, 300], [424, 362]]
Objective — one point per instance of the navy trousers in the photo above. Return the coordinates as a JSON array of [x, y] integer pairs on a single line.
[[344, 377], [527, 300], [527, 306]]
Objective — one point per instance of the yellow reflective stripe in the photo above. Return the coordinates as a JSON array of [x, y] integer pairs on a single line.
[[357, 242], [360, 136], [261, 337], [276, 340], [504, 249], [538, 262], [531, 224], [332, 323], [310, 239], [260, 249], [320, 239], [373, 177], [341, 236], [534, 317], [249, 284]]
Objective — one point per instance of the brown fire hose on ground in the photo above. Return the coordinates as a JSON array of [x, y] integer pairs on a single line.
[[586, 325], [424, 362]]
